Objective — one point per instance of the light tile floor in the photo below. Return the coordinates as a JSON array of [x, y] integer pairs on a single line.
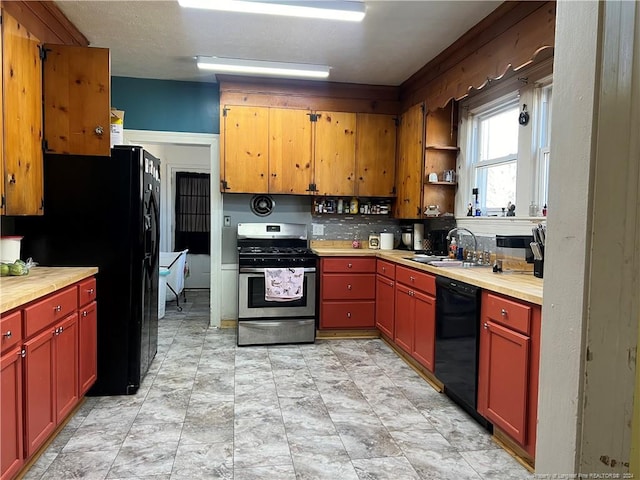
[[337, 409]]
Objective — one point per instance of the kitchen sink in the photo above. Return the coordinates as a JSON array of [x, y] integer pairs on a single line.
[[439, 261]]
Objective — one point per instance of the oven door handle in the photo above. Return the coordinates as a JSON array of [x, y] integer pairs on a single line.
[[262, 270]]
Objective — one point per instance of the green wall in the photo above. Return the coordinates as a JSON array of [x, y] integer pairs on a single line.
[[166, 105]]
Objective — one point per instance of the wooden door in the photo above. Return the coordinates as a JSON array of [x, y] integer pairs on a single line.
[[39, 390], [77, 100], [335, 153], [22, 82], [385, 303], [375, 155], [503, 379], [424, 338], [88, 347], [246, 150], [404, 318], [2, 165], [11, 413], [289, 151], [409, 175], [66, 366]]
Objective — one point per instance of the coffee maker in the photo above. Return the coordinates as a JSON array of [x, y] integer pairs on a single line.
[[435, 238], [412, 237]]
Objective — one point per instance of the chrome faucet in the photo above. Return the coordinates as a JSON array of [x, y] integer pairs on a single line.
[[475, 240]]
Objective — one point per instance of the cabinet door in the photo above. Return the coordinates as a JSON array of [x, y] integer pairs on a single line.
[[348, 287], [66, 366], [77, 97], [424, 336], [375, 155], [39, 390], [11, 413], [404, 318], [22, 82], [2, 165], [347, 314], [502, 379], [87, 347], [246, 149], [289, 151], [409, 164], [335, 153], [385, 303]]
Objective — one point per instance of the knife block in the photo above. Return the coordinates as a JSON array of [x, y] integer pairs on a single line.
[[538, 268]]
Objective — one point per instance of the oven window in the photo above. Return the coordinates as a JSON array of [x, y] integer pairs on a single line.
[[256, 299]]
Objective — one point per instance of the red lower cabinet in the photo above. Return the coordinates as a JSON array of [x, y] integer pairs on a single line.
[[11, 418], [404, 318], [39, 390], [66, 366], [88, 351], [385, 305], [508, 367], [424, 330]]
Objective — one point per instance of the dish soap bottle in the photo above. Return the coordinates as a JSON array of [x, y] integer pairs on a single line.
[[453, 248]]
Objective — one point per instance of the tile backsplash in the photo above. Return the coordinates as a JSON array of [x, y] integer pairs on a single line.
[[352, 227]]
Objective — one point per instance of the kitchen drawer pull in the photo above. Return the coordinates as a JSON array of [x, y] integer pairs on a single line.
[[391, 284], [349, 287], [349, 265], [486, 326], [56, 331], [57, 308], [8, 334], [503, 312], [61, 329], [384, 269], [85, 313], [413, 279], [348, 314], [90, 291], [22, 353]]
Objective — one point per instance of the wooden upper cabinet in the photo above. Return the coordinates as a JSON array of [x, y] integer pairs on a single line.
[[22, 84], [375, 155], [289, 151], [77, 97], [2, 165], [246, 149], [409, 164], [335, 153]]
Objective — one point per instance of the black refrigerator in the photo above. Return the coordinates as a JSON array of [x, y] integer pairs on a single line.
[[104, 212]]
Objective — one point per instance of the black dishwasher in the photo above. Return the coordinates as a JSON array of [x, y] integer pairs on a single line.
[[457, 330]]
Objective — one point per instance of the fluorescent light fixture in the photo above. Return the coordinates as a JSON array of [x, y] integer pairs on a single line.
[[259, 67], [350, 11]]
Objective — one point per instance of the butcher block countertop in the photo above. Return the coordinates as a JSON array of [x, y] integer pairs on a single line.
[[523, 286], [16, 291]]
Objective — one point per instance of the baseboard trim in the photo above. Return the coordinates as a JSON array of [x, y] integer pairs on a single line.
[[347, 334], [516, 451], [228, 323]]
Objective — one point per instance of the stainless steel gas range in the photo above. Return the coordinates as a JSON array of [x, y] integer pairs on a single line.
[[273, 254]]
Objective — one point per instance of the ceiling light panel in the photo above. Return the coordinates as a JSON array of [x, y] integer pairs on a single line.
[[258, 67], [350, 11]]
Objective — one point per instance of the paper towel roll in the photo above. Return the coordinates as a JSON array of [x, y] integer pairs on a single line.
[[386, 241]]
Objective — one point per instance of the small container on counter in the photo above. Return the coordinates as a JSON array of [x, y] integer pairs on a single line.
[[374, 241]]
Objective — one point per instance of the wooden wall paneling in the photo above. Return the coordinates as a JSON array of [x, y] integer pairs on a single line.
[[515, 48], [289, 151], [23, 119], [46, 21], [246, 149], [375, 154], [77, 93], [409, 164], [335, 153]]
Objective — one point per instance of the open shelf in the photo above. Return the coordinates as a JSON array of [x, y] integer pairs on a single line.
[[440, 183], [451, 148]]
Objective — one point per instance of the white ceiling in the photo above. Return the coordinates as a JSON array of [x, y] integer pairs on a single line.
[[159, 39]]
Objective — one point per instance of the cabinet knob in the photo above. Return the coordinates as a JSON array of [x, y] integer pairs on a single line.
[[60, 330], [349, 265], [348, 314], [57, 308], [384, 269], [503, 312], [99, 130], [56, 331], [413, 279], [349, 287], [486, 326], [22, 353], [8, 334], [391, 284], [90, 291], [85, 313]]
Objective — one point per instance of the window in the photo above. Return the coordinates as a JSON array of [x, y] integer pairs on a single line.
[[505, 160], [193, 218], [495, 154]]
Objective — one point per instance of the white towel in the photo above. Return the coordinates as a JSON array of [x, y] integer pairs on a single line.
[[283, 284]]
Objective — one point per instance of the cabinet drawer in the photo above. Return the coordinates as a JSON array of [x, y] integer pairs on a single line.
[[349, 264], [348, 315], [349, 287], [509, 313], [387, 269], [415, 279], [49, 310], [86, 291], [11, 330]]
